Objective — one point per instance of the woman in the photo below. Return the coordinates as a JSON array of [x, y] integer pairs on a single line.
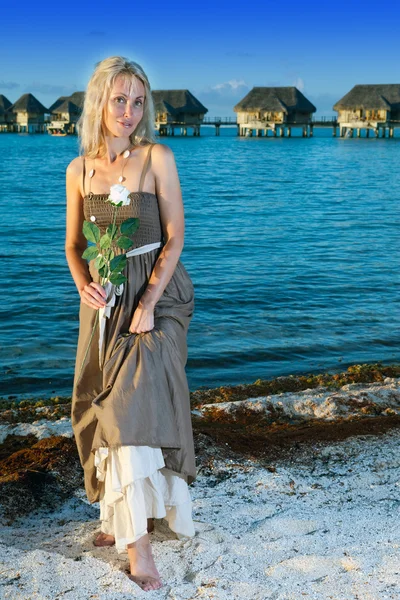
[[130, 403]]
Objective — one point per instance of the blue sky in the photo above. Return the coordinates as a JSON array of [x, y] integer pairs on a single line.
[[218, 50]]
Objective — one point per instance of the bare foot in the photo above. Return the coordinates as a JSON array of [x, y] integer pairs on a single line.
[[104, 539], [142, 566]]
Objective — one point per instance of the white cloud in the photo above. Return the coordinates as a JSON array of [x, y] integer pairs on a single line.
[[230, 86], [299, 83], [222, 97]]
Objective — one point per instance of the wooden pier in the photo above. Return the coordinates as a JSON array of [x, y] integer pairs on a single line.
[[277, 129]]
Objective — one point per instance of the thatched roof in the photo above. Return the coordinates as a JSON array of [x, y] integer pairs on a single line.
[[57, 103], [278, 99], [4, 104], [28, 103], [67, 107], [371, 96], [273, 103], [177, 101], [76, 98], [163, 106]]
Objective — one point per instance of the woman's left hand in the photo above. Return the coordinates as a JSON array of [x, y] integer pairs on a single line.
[[142, 320]]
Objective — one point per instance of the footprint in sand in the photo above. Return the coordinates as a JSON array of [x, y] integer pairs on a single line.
[[308, 567]]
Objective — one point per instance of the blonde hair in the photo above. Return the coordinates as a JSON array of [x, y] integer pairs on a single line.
[[90, 123]]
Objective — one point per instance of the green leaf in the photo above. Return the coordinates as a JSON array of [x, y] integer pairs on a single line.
[[103, 271], [124, 242], [105, 241], [99, 262], [118, 262], [112, 231], [117, 279], [111, 255], [91, 231], [129, 226], [90, 253]]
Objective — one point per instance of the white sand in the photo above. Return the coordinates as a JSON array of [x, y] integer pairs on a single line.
[[41, 428], [325, 525]]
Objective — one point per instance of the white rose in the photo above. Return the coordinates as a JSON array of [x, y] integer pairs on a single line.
[[119, 193]]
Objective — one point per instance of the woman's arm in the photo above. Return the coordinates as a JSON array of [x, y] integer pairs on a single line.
[[170, 203], [75, 242]]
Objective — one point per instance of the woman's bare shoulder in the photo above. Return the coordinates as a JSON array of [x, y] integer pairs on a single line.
[[161, 150], [75, 167], [162, 155]]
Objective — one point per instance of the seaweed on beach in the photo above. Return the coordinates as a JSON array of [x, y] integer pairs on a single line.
[[364, 373], [27, 409], [43, 474]]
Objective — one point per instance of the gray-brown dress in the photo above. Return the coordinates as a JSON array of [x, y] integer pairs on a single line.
[[140, 396]]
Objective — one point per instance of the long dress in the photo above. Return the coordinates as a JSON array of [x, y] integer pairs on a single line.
[[131, 410]]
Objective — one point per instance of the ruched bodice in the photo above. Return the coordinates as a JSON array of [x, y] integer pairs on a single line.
[[143, 205]]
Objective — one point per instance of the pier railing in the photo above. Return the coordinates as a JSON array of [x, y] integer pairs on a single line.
[[220, 121], [324, 120], [233, 121]]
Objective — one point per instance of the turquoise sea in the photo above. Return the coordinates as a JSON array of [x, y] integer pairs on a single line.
[[292, 246]]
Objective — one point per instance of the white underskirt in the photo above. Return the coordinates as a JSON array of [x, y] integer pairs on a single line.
[[138, 486]]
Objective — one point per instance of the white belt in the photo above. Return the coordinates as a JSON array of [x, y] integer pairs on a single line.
[[116, 290]]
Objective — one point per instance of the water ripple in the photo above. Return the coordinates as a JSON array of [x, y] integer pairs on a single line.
[[292, 246]]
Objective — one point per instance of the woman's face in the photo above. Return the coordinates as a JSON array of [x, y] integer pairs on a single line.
[[124, 108]]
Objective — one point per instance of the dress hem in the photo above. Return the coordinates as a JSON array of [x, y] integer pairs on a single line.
[[138, 486]]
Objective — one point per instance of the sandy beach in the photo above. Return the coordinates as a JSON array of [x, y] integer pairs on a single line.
[[309, 511]]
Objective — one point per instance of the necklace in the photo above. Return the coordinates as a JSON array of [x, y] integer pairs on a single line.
[[126, 154]]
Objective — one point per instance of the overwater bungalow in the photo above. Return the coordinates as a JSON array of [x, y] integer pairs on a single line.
[[4, 106], [276, 109], [65, 113], [177, 108], [27, 114], [373, 107], [64, 118]]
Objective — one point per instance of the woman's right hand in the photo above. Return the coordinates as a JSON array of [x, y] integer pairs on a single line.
[[94, 295]]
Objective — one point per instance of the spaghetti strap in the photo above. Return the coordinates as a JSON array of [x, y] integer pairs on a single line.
[[144, 170], [83, 175]]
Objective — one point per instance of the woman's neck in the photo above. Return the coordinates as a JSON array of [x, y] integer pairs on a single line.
[[114, 147]]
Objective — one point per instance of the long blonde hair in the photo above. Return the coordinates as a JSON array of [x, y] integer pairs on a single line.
[[89, 125]]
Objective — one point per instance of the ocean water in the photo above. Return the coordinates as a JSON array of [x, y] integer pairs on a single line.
[[292, 246]]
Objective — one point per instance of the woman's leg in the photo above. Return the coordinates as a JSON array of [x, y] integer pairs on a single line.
[[142, 566], [105, 539]]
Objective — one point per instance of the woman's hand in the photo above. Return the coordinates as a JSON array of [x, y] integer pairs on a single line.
[[94, 295], [143, 319]]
